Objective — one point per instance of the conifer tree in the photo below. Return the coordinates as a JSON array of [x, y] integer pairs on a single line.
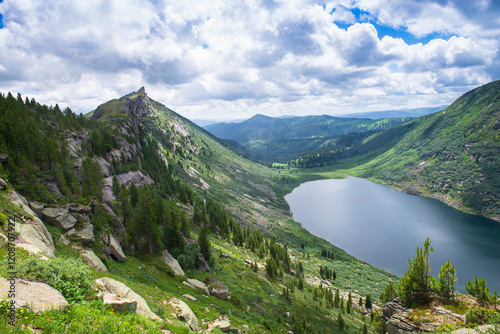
[[340, 322], [447, 279], [368, 302], [205, 247], [389, 293], [337, 298], [415, 286]]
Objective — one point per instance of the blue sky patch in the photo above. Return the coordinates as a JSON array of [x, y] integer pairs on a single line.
[[365, 17], [1, 20]]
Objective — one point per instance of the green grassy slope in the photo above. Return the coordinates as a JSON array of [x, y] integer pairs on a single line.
[[452, 155]]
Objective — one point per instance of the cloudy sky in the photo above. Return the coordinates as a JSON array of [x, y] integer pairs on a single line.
[[231, 59]]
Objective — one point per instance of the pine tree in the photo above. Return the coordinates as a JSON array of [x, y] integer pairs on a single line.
[[415, 286], [340, 322], [447, 279], [337, 298], [349, 303], [133, 194], [389, 293], [205, 247], [368, 302], [479, 290]]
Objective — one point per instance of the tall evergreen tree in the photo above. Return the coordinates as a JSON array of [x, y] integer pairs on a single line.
[[205, 247], [415, 286], [447, 279]]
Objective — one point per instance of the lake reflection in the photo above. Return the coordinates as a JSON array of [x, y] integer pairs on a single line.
[[383, 227]]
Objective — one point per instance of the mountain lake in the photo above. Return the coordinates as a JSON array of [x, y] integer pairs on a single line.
[[383, 227]]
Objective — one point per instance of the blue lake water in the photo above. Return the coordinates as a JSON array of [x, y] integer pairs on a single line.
[[383, 227]]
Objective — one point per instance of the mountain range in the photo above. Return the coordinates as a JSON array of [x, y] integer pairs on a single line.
[[264, 138]]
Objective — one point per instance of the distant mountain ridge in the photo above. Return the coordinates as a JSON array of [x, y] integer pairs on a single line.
[[265, 136], [414, 112]]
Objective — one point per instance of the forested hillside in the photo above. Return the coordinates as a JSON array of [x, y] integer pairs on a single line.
[[133, 193], [279, 139]]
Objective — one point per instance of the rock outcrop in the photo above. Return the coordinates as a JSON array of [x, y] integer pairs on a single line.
[[183, 311], [59, 217], [110, 286], [172, 263], [113, 248], [390, 309], [218, 289], [136, 177], [84, 234], [202, 264], [195, 284], [118, 227], [32, 231], [399, 324], [119, 304], [93, 260], [36, 295]]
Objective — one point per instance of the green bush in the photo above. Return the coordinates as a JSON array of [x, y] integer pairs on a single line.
[[481, 316], [70, 276]]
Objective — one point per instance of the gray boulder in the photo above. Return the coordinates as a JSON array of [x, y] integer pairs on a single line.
[[218, 289], [202, 264], [400, 324], [194, 283], [183, 311], [32, 231], [119, 304], [38, 296], [110, 286], [84, 234], [118, 227], [93, 260], [37, 208], [3, 184], [390, 309], [63, 240], [113, 248], [172, 263], [59, 217]]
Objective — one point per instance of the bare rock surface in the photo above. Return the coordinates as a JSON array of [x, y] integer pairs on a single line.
[[36, 295], [59, 217], [119, 304], [109, 285], [218, 289], [113, 249], [93, 260], [32, 230], [202, 264], [172, 263], [136, 177], [196, 284], [84, 234], [183, 311]]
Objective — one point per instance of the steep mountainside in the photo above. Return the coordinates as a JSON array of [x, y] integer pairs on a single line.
[[167, 222], [278, 138], [452, 155]]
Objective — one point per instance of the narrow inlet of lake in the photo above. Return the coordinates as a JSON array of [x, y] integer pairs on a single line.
[[383, 227]]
